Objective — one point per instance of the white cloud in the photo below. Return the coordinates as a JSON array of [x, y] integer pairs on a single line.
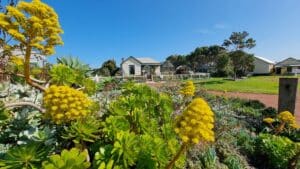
[[204, 31], [220, 26]]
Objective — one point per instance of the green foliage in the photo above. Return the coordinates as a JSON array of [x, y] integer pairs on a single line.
[[277, 150], [108, 68], [4, 114], [29, 156], [246, 142], [177, 60], [242, 62], [233, 162], [86, 130], [139, 130], [125, 149], [72, 74], [239, 41], [143, 108], [74, 63], [223, 65], [62, 75], [202, 158], [90, 86], [68, 159]]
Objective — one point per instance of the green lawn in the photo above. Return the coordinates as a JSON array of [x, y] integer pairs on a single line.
[[256, 84]]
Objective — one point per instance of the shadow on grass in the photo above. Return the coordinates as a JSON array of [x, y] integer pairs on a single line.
[[210, 82]]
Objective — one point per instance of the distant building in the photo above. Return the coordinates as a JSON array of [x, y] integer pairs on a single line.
[[167, 68], [35, 58], [288, 66], [263, 65], [133, 66]]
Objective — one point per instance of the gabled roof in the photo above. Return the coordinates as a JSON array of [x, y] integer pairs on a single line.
[[288, 62], [265, 60], [147, 61], [143, 60]]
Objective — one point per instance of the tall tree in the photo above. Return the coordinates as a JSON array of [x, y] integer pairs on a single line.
[[242, 61], [204, 56], [177, 60], [239, 41], [108, 68], [224, 65]]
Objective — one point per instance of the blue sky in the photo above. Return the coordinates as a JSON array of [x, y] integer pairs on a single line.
[[97, 30]]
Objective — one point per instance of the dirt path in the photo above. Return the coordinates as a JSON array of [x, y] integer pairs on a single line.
[[269, 100]]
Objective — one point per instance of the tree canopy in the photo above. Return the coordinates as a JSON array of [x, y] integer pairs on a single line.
[[239, 41]]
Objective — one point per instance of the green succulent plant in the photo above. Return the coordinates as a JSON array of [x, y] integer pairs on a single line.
[[69, 159], [86, 130], [62, 75], [29, 156]]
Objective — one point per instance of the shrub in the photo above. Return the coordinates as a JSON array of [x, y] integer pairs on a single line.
[[277, 150], [256, 104], [68, 159]]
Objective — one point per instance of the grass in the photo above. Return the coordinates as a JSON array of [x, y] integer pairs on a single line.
[[256, 84]]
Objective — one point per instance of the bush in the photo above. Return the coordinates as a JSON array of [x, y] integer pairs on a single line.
[[275, 151], [256, 104]]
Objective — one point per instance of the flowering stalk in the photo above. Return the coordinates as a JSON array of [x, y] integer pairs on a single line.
[[27, 70], [193, 126], [175, 158]]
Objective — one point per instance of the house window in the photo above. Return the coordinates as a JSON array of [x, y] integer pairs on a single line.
[[131, 70], [289, 69]]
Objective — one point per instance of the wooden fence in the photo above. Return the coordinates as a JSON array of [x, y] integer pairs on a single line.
[[158, 78]]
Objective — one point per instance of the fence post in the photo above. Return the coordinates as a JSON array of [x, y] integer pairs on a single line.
[[287, 94]]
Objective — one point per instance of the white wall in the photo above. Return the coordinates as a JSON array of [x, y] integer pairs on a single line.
[[157, 70], [261, 67], [125, 67], [296, 70]]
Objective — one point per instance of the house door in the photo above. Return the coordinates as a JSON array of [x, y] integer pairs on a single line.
[[131, 70], [278, 70]]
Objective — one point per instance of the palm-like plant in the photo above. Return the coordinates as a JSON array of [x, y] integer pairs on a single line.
[[74, 63], [29, 156]]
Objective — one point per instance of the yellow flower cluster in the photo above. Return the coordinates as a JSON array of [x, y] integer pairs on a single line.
[[284, 117], [64, 104], [287, 117], [196, 123], [17, 60], [188, 89], [269, 120], [34, 23]]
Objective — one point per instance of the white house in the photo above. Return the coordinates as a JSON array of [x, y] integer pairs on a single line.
[[133, 66], [262, 65]]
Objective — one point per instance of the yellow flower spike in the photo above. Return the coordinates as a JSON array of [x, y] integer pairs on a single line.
[[188, 89], [199, 127], [58, 109]]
